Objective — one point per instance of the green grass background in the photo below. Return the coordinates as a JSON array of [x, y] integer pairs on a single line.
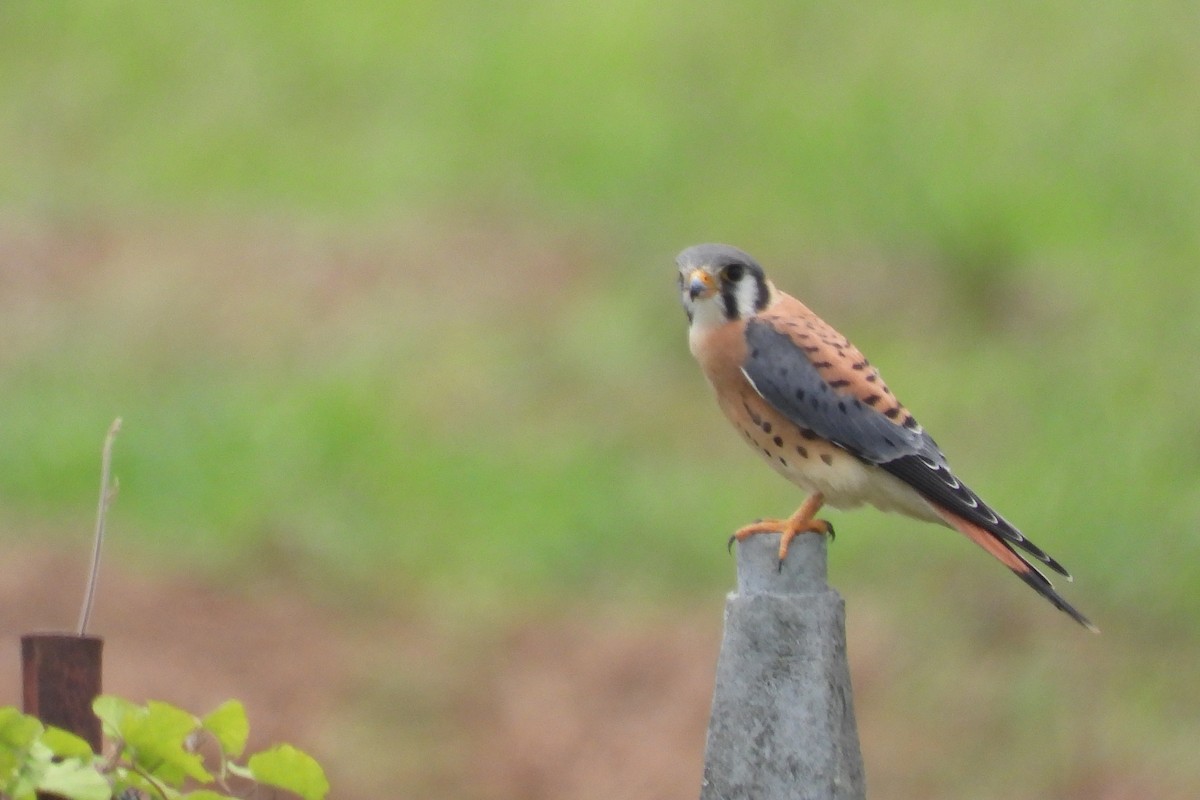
[[384, 294]]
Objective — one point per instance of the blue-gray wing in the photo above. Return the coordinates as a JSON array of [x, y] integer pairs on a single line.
[[789, 379], [824, 385]]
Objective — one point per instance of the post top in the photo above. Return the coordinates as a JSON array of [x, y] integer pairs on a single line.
[[804, 571]]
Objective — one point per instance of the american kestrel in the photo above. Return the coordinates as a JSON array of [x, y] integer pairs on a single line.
[[820, 414]]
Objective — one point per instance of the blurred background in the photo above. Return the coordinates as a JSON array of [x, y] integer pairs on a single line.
[[416, 462]]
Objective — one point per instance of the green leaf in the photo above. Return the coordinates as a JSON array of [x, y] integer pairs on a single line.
[[113, 711], [75, 780], [126, 780], [21, 776], [21, 787], [23, 758], [155, 737], [288, 768], [207, 794], [66, 744], [229, 724], [17, 730]]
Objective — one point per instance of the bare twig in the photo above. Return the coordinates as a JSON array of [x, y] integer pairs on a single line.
[[107, 494]]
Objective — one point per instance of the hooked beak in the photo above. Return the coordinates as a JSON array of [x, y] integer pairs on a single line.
[[701, 285]]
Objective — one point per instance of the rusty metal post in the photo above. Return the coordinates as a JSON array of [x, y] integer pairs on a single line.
[[61, 677]]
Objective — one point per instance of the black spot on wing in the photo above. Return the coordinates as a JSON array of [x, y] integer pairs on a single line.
[[785, 377]]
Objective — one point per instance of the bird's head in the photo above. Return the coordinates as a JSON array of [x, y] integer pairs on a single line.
[[719, 284]]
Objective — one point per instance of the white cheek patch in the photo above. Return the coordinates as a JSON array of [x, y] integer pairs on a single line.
[[745, 292]]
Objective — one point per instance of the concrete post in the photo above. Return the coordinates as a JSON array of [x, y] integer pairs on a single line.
[[782, 724]]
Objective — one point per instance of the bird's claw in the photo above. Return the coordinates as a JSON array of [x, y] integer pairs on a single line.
[[821, 526]]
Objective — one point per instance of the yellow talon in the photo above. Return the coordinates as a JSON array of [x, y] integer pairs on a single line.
[[788, 529]]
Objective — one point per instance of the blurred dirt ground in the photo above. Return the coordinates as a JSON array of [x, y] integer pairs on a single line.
[[571, 704], [559, 707]]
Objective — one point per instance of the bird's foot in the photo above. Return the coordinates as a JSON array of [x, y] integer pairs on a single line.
[[788, 529]]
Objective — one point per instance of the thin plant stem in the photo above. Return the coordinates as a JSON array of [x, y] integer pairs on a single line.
[[107, 494]]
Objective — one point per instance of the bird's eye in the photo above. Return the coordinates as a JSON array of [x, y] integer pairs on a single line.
[[734, 272]]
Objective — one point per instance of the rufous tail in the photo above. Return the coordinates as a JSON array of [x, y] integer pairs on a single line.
[[1016, 562]]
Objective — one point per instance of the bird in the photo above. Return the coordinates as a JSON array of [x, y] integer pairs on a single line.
[[822, 416]]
